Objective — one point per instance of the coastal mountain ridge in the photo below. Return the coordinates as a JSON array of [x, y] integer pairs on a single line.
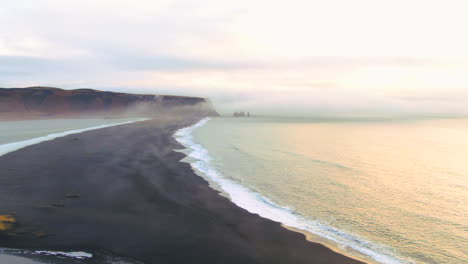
[[52, 101]]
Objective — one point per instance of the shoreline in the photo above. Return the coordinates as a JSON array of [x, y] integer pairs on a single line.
[[217, 182], [13, 146], [335, 246], [130, 178]]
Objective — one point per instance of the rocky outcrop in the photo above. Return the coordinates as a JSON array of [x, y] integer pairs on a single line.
[[241, 114], [50, 101]]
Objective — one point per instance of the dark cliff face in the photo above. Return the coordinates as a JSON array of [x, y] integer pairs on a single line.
[[48, 101]]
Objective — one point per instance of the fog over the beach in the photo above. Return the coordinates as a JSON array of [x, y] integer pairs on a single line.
[[294, 57]]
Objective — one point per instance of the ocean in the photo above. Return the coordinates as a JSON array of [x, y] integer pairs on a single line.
[[19, 134], [385, 190]]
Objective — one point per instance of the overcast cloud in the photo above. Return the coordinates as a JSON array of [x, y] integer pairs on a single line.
[[262, 56]]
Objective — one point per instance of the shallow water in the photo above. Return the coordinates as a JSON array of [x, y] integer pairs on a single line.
[[19, 134], [394, 190], [21, 256], [13, 131]]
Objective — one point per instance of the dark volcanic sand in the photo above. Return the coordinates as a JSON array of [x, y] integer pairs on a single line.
[[124, 189]]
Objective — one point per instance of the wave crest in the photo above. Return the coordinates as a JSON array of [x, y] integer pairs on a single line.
[[255, 203]]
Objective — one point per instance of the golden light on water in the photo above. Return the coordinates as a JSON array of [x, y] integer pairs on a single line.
[[400, 184]]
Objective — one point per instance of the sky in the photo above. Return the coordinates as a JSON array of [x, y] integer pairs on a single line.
[[292, 57]]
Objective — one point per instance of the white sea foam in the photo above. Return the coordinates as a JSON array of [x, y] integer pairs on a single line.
[[72, 254], [256, 203], [10, 147]]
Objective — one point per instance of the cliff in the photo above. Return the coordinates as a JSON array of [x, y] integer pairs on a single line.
[[50, 101]]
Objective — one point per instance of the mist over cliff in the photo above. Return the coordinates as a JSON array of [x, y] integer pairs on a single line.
[[52, 102]]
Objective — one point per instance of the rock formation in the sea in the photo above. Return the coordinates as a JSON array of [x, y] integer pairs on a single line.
[[49, 101], [241, 114]]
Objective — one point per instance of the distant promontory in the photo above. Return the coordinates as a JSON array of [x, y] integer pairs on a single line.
[[41, 101]]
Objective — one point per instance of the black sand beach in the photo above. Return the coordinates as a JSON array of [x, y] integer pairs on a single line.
[[124, 189]]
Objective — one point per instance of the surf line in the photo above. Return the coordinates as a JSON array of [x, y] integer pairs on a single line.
[[10, 147]]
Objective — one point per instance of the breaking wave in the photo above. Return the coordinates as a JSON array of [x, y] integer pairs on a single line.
[[255, 203], [10, 147]]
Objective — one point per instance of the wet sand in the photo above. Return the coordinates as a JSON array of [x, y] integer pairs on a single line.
[[124, 189]]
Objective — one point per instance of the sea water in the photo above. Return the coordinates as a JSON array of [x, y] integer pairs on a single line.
[[18, 134], [384, 190]]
